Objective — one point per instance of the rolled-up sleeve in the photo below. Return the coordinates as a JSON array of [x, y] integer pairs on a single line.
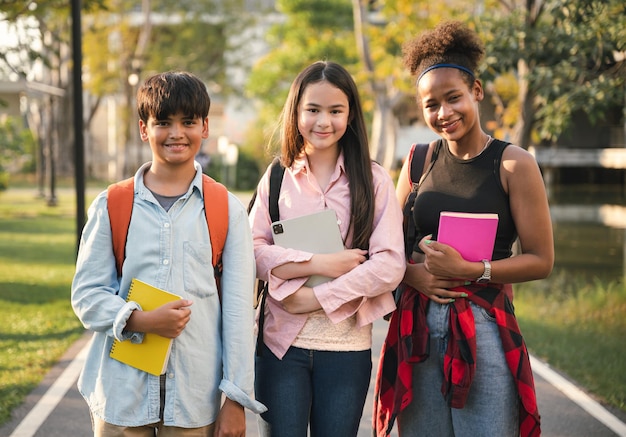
[[237, 310]]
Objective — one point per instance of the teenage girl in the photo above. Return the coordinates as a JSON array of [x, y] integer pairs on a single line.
[[313, 366], [468, 372]]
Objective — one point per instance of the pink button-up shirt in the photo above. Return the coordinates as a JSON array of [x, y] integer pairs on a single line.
[[366, 289]]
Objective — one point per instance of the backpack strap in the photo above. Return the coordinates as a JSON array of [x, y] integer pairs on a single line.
[[216, 211], [417, 158], [277, 172], [120, 205], [276, 180], [120, 197]]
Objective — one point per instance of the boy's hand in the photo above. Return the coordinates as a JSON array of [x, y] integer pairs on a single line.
[[231, 420], [168, 320]]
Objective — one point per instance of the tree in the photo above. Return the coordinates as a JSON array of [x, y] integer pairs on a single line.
[[42, 46], [121, 45], [567, 56], [366, 37], [380, 30], [546, 59], [311, 31], [16, 147], [129, 45]]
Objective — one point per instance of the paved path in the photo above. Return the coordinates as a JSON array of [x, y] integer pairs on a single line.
[[56, 409]]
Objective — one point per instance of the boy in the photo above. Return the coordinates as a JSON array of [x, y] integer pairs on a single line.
[[168, 246]]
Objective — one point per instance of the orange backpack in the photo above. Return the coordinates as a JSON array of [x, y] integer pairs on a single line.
[[121, 195]]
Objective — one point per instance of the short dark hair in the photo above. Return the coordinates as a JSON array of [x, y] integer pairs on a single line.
[[172, 92]]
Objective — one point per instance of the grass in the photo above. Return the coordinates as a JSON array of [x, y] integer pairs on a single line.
[[575, 325], [37, 255], [578, 327]]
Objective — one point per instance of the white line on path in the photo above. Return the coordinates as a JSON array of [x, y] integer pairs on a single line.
[[33, 420], [579, 397], [40, 412]]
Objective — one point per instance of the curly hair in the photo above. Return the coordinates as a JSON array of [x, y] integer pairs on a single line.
[[450, 42]]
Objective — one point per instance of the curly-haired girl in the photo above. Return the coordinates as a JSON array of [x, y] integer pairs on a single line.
[[467, 372]]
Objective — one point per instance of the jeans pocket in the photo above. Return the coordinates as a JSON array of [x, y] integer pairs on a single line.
[[198, 272], [483, 313]]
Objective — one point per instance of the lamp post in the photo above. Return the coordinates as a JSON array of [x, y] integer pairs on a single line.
[[79, 148]]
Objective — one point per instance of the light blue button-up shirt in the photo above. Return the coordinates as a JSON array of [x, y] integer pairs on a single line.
[[170, 250]]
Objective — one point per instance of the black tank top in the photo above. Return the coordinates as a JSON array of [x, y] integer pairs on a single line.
[[473, 185]]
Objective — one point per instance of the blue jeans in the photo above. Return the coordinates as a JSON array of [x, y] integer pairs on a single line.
[[325, 389], [492, 407]]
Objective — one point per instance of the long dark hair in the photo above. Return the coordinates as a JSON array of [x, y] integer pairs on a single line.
[[354, 143]]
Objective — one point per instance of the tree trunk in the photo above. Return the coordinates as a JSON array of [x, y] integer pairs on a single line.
[[523, 126], [383, 135]]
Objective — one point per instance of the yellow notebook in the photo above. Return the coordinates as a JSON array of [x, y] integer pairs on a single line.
[[152, 354]]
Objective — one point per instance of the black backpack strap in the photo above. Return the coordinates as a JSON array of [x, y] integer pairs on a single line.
[[276, 180], [418, 158]]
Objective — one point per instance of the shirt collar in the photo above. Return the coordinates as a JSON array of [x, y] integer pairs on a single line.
[[196, 183], [301, 163]]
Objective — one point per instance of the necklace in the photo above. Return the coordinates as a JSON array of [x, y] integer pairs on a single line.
[[485, 146]]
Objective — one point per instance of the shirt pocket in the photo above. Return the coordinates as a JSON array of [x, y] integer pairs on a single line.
[[198, 272]]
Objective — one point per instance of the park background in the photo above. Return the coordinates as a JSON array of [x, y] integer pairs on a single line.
[[555, 77]]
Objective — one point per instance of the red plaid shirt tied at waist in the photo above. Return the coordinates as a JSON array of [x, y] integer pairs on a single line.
[[407, 344]]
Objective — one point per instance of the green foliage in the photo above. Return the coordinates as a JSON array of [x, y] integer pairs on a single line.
[[574, 51], [317, 14], [195, 37], [17, 147], [248, 173], [312, 31], [207, 63], [244, 177]]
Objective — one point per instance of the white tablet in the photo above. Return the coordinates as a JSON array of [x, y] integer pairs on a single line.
[[316, 233]]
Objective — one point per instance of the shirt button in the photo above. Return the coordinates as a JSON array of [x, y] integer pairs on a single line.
[[170, 375], [166, 261], [167, 225]]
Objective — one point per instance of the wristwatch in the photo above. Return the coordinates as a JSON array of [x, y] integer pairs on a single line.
[[486, 276]]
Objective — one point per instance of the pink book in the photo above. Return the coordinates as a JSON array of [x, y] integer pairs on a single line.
[[473, 235]]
